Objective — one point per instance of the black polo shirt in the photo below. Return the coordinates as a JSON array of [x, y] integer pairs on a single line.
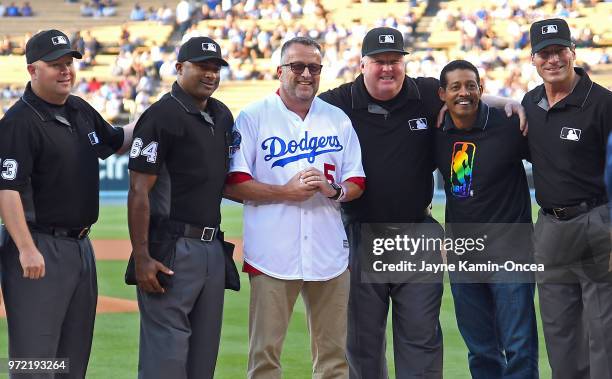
[[568, 143], [484, 177], [188, 151], [396, 140], [50, 155]]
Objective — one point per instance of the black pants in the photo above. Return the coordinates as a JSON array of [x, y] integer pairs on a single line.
[[576, 293], [52, 317], [417, 335], [180, 329]]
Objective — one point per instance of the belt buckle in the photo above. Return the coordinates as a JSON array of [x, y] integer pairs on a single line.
[[208, 234], [559, 212], [84, 232]]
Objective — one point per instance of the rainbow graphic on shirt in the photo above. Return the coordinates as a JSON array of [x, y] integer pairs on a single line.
[[462, 165]]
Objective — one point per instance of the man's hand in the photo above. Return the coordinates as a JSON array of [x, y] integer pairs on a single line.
[[32, 263], [440, 119], [513, 107], [317, 179], [146, 274], [296, 190]]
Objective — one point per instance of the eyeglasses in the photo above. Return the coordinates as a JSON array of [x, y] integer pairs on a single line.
[[299, 67]]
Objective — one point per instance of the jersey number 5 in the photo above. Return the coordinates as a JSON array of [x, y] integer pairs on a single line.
[[149, 151], [328, 170]]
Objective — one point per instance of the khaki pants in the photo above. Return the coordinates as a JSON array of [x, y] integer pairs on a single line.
[[272, 302]]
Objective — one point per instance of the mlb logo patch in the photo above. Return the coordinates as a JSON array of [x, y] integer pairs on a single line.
[[570, 134], [418, 124], [93, 138], [59, 40], [386, 38], [234, 146], [207, 46], [549, 29]]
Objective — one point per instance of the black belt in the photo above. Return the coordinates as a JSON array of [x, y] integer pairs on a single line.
[[58, 231], [566, 213], [206, 233]]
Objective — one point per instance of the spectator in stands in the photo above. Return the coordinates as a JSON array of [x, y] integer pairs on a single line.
[[165, 15], [183, 15], [137, 13], [152, 14], [87, 10], [2, 10], [110, 9], [26, 10], [12, 11], [92, 45], [78, 43], [93, 85], [6, 46]]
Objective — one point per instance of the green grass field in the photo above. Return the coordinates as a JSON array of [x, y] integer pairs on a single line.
[[115, 346]]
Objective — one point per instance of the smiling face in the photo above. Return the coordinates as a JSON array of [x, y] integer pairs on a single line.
[[199, 79], [462, 93], [299, 88], [555, 64], [52, 81], [383, 74]]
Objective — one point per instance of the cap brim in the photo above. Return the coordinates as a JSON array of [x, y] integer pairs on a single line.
[[60, 53], [548, 42], [222, 62], [388, 50]]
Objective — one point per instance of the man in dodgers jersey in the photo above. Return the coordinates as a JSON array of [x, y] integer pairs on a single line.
[[299, 157]]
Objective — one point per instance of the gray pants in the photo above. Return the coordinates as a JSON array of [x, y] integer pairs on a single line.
[[417, 335], [52, 317], [576, 294], [180, 330]]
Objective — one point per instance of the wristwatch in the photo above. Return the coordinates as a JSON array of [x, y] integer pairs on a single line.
[[338, 193]]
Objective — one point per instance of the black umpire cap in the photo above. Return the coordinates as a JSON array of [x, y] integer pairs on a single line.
[[199, 49], [49, 45], [382, 40], [553, 31]]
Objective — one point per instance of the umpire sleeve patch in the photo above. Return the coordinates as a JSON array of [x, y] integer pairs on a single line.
[[149, 151], [9, 169]]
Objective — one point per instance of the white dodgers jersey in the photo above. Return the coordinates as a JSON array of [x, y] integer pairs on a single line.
[[295, 240]]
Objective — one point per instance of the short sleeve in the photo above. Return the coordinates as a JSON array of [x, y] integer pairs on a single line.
[[18, 146], [243, 157], [149, 146], [351, 160], [110, 138]]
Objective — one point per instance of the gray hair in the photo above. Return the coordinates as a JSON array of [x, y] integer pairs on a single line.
[[306, 41]]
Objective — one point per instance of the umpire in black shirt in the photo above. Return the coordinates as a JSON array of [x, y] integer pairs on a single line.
[[570, 118], [178, 162], [50, 142], [394, 116]]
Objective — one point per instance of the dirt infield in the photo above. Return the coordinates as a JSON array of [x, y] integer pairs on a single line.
[[120, 250]]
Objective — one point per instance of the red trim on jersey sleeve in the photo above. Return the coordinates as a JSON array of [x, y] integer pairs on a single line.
[[237, 177], [250, 269], [359, 181]]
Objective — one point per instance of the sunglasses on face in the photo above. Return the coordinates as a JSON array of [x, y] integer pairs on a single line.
[[299, 67]]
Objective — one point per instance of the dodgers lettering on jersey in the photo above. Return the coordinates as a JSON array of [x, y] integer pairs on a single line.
[[306, 148], [276, 144]]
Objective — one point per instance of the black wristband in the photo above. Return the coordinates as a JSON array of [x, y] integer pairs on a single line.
[[338, 189]]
